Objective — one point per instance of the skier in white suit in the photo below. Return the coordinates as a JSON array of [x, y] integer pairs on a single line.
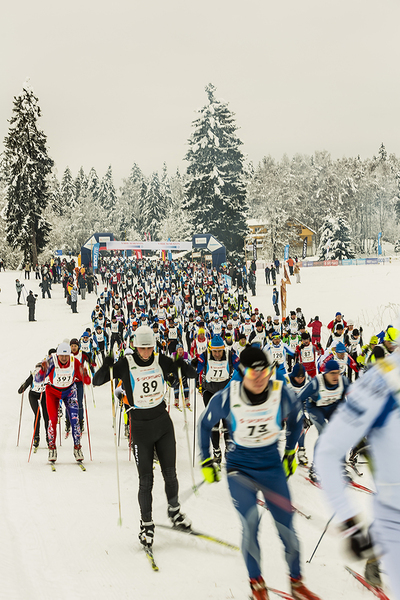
[[373, 410]]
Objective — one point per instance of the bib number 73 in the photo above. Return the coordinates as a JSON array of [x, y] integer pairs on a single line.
[[257, 430]]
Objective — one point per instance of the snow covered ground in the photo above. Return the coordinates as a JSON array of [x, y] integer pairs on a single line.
[[59, 531]]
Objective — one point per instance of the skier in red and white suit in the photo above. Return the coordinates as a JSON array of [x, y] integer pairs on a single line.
[[307, 354], [62, 371]]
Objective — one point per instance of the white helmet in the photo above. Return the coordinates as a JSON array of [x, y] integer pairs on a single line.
[[64, 349], [144, 337]]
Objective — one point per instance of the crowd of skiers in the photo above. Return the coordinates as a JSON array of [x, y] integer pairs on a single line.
[[158, 323]]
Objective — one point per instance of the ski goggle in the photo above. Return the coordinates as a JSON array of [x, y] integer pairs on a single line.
[[258, 373]]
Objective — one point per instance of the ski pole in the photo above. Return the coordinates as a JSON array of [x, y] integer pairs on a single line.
[[169, 400], [87, 422], [186, 425], [320, 539], [194, 423], [91, 387], [20, 418], [119, 424], [115, 443], [193, 490], [34, 429]]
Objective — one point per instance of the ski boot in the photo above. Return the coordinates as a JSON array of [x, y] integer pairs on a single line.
[[258, 589], [36, 441], [52, 454], [179, 520], [372, 572], [300, 591], [313, 475], [346, 474], [217, 456], [302, 457], [78, 453], [146, 534]]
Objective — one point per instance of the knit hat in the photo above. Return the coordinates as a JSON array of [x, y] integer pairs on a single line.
[[340, 347], [217, 343], [298, 370], [338, 314], [253, 358], [74, 341], [331, 365]]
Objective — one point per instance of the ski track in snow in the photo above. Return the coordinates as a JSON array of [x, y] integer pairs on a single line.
[[59, 531]]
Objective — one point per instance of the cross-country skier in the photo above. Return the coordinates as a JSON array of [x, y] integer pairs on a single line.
[[323, 395], [62, 371], [255, 408], [373, 410], [143, 374]]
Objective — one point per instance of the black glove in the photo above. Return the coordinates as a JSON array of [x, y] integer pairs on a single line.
[[170, 379], [194, 362], [306, 421], [108, 361], [357, 539], [179, 362], [21, 389]]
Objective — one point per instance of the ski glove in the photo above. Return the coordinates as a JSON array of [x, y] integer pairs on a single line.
[[289, 462], [210, 470], [307, 423], [108, 361], [357, 539]]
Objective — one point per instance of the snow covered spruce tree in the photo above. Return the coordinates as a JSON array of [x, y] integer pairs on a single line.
[[68, 191], [215, 189], [26, 167], [341, 243], [107, 194], [154, 208], [335, 240], [326, 235]]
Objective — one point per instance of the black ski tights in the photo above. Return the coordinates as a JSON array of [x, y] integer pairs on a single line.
[[155, 434]]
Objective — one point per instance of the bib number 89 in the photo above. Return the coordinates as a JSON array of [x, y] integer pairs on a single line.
[[149, 387]]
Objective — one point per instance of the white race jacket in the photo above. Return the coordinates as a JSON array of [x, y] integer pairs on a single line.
[[372, 409]]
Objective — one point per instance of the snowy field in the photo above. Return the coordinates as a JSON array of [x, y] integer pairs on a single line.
[[59, 531]]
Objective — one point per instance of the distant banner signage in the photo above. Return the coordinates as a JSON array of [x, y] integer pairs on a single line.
[[379, 243], [331, 263], [345, 262], [304, 247], [95, 260], [208, 257], [196, 254], [286, 255], [201, 240], [149, 245]]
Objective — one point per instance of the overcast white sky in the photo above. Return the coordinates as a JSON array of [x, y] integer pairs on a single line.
[[119, 82]]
